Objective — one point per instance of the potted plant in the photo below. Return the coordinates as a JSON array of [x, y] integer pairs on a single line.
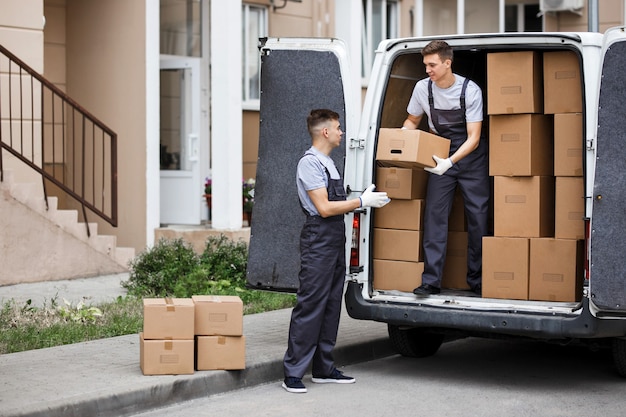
[[207, 194], [248, 198]]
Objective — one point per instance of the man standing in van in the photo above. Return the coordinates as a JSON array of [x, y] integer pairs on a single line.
[[315, 318], [454, 107]]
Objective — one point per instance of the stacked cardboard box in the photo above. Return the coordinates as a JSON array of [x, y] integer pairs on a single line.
[[535, 138], [181, 335], [220, 343], [166, 345], [397, 242]]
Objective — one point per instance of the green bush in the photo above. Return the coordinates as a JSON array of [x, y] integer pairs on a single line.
[[156, 271], [171, 268]]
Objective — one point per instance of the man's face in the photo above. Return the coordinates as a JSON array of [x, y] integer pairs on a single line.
[[435, 68], [333, 129]]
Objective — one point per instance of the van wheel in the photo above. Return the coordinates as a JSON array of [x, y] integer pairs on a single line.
[[414, 342], [618, 348]]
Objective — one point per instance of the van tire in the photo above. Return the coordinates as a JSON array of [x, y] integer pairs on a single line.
[[618, 348], [414, 342]]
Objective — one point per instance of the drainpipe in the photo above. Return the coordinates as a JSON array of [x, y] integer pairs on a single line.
[[592, 15]]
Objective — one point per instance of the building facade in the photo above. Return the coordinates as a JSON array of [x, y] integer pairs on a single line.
[[178, 82]]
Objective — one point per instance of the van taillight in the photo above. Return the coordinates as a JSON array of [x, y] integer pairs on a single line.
[[587, 248], [354, 246]]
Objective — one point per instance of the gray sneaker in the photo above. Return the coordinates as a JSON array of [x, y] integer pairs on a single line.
[[335, 377]]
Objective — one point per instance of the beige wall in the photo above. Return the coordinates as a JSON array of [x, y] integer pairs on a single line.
[[105, 61], [21, 32], [306, 19], [611, 13]]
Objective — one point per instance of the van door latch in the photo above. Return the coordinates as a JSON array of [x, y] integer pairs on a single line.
[[357, 143]]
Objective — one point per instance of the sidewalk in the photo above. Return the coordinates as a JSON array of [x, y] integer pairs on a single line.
[[102, 378]]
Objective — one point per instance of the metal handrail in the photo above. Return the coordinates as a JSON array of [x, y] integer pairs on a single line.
[[64, 143]]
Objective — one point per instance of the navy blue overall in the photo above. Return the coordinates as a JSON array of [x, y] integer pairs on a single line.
[[471, 174], [315, 318]]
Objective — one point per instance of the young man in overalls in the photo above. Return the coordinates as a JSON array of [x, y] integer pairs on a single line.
[[315, 318], [454, 106]]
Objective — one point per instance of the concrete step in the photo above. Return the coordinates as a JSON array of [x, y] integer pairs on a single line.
[[31, 195]]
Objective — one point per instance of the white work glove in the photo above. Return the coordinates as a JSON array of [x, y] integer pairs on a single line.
[[442, 165], [377, 199]]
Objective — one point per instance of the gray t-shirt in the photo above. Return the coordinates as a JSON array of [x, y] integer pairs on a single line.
[[311, 175], [447, 99]]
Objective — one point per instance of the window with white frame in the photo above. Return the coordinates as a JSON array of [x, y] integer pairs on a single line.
[[254, 19], [380, 21]]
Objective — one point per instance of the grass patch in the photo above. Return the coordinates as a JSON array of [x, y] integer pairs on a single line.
[[23, 327], [170, 268]]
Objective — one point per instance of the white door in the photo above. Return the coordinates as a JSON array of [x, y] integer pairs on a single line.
[[181, 185]]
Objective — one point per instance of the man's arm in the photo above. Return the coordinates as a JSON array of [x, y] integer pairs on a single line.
[[327, 208], [471, 143], [412, 122]]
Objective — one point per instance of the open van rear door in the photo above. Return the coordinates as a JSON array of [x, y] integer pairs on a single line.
[[297, 75], [607, 283]]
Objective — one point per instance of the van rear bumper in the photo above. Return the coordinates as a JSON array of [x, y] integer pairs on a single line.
[[578, 325]]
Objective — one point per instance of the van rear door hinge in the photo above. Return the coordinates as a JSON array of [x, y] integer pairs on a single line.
[[357, 143]]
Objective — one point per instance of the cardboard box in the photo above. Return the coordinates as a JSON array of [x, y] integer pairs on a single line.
[[568, 145], [165, 357], [569, 208], [168, 318], [402, 183], [397, 275], [400, 214], [218, 315], [398, 245], [524, 206], [506, 267], [514, 82], [455, 269], [556, 270], [457, 221], [220, 352], [521, 144], [562, 82], [410, 148]]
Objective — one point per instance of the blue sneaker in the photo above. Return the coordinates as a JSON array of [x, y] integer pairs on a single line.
[[293, 384], [335, 377]]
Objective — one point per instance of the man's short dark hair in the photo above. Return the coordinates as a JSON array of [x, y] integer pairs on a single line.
[[318, 117], [440, 48]]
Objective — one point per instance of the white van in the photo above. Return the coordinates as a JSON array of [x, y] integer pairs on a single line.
[[298, 75]]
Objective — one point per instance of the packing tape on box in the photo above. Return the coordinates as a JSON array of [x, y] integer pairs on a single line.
[[221, 340], [169, 304]]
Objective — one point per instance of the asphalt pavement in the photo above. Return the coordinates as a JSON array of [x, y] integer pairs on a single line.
[[103, 378]]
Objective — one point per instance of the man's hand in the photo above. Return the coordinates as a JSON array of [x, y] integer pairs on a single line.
[[377, 199], [442, 165]]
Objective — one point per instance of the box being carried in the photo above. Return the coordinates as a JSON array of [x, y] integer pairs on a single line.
[[410, 148]]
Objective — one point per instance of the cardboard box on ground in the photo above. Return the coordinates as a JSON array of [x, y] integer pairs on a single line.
[[535, 112], [181, 335]]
